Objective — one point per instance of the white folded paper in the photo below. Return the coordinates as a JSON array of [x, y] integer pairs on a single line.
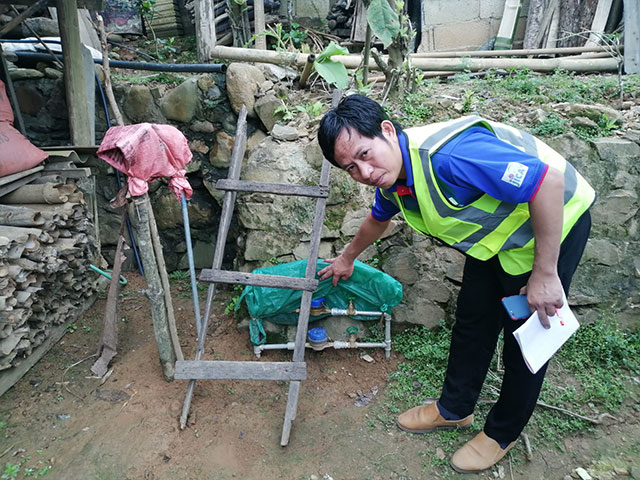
[[538, 344]]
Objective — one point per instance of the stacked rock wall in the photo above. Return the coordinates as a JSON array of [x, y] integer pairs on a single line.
[[270, 230]]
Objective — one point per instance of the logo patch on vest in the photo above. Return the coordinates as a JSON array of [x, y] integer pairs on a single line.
[[515, 173]]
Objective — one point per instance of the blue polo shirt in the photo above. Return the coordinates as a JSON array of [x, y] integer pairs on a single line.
[[471, 164]]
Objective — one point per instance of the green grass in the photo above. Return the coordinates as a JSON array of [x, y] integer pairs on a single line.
[[593, 373]]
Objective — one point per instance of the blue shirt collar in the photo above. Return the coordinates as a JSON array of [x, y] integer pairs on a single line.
[[406, 161]]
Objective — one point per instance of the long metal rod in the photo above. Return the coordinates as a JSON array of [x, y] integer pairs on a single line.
[[192, 268], [225, 221]]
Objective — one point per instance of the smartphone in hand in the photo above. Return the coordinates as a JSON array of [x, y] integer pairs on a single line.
[[517, 307]]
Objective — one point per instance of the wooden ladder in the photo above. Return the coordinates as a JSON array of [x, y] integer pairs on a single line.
[[296, 370]]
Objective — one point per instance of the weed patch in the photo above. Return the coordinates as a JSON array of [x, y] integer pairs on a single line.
[[593, 373]]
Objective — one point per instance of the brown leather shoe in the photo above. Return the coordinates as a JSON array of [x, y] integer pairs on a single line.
[[427, 418], [478, 454]]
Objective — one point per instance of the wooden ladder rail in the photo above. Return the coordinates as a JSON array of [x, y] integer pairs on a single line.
[[294, 371], [228, 202]]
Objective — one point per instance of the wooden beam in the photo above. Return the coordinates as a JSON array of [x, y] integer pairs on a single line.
[[599, 22], [88, 4], [275, 188], [259, 23], [631, 36], [259, 280], [227, 370], [75, 84], [205, 29]]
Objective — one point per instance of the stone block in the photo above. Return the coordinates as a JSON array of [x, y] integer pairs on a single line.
[[494, 9], [181, 103], [220, 154], [462, 36], [265, 107], [402, 265], [262, 246], [313, 8], [615, 208], [302, 250], [451, 12], [243, 81]]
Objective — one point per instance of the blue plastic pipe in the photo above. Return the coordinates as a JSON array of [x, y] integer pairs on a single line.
[[192, 268]]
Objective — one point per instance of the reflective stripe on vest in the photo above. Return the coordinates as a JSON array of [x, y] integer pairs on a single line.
[[487, 226]]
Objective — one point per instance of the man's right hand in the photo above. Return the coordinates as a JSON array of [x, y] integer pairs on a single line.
[[340, 268]]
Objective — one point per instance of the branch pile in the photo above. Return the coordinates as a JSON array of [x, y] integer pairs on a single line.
[[46, 247]]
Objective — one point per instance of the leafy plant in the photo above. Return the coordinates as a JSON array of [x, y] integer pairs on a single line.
[[333, 72], [467, 101], [10, 471], [285, 113], [554, 124], [361, 87], [383, 20], [285, 40]]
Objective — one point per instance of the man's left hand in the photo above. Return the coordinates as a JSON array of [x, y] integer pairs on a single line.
[[544, 295]]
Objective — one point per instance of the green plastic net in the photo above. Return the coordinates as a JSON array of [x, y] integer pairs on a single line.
[[369, 288]]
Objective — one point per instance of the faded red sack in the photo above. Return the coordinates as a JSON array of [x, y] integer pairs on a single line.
[[6, 114], [16, 152]]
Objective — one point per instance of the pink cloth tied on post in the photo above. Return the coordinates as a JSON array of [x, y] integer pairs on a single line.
[[147, 151]]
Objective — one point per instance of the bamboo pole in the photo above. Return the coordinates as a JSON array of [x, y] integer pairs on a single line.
[[307, 70], [154, 290], [511, 53], [157, 247], [427, 64]]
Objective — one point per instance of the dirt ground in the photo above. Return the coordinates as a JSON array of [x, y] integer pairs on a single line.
[[127, 428]]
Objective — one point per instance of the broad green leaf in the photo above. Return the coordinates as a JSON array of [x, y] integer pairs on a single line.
[[383, 21], [333, 72], [332, 49]]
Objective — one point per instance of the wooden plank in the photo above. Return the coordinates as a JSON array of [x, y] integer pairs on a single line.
[[226, 370], [89, 4], [258, 280], [205, 29], [275, 188], [237, 154], [599, 22], [631, 36], [290, 412], [75, 84], [259, 23], [507, 30]]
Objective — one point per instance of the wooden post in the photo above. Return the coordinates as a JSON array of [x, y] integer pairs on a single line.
[[140, 215], [76, 89], [631, 36], [258, 24], [205, 29]]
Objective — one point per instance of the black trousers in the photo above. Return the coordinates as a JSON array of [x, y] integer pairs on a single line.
[[480, 317]]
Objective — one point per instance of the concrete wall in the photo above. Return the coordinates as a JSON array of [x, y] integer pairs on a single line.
[[464, 24], [446, 24]]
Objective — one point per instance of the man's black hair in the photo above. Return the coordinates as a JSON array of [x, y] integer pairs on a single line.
[[355, 112]]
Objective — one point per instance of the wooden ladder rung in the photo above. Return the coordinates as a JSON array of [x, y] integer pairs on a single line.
[[228, 370], [275, 188], [259, 280]]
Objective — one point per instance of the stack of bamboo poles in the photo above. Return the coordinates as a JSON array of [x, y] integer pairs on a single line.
[[442, 62], [46, 247]]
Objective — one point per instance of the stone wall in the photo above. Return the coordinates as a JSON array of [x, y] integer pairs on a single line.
[[268, 230]]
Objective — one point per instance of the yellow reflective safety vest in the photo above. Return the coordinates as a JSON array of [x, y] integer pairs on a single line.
[[487, 226]]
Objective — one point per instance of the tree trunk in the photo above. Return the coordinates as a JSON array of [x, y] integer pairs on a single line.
[[576, 16]]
